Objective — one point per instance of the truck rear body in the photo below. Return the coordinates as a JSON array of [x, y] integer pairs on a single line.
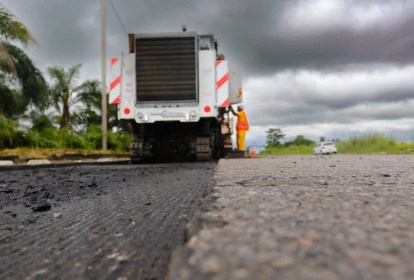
[[175, 93]]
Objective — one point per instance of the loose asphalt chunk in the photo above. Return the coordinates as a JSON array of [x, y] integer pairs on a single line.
[[43, 206]]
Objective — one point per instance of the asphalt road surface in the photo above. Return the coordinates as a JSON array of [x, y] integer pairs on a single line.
[[305, 217], [288, 217], [97, 222]]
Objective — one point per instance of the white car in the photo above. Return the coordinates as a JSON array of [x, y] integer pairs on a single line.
[[325, 148]]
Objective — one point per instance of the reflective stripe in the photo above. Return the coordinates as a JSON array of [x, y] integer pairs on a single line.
[[242, 123], [223, 80], [222, 84], [115, 85], [226, 103]]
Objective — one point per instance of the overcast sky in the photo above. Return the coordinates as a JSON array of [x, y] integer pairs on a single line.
[[332, 68]]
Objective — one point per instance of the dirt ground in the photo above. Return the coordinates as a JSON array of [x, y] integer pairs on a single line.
[[97, 222]]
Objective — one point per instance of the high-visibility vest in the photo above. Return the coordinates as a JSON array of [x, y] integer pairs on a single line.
[[242, 123]]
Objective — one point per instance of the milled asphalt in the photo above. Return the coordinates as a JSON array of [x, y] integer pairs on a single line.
[[304, 217], [95, 221]]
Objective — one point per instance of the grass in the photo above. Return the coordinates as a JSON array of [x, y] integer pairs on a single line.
[[291, 150], [364, 144], [374, 143], [39, 153]]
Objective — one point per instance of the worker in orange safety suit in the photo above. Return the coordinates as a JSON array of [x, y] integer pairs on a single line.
[[241, 127]]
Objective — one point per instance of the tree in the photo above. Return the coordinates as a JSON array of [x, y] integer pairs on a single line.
[[21, 83], [90, 114], [14, 30], [10, 102], [32, 83], [40, 122], [65, 92], [274, 135], [300, 140]]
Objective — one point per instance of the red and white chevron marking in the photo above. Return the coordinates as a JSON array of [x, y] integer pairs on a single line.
[[115, 85], [222, 71]]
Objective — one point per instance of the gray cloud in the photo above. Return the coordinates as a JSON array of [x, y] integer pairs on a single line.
[[311, 97], [67, 32], [262, 36], [304, 62]]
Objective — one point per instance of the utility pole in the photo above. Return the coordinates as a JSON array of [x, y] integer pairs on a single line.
[[103, 63]]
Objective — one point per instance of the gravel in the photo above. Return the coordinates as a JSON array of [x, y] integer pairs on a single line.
[[304, 217]]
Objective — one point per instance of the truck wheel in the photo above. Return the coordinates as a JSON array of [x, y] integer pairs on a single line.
[[203, 149]]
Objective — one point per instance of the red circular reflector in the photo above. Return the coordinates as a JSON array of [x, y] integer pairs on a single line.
[[127, 111], [207, 109]]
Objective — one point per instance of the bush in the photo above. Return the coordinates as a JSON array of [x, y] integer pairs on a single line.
[[300, 140], [119, 141], [47, 138], [41, 123], [72, 140], [52, 137], [9, 135], [94, 136], [44, 135]]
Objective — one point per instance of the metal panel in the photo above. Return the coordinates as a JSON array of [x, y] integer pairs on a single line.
[[235, 85], [127, 105], [207, 80], [166, 68]]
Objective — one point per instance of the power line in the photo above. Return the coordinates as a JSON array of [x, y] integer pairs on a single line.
[[117, 16]]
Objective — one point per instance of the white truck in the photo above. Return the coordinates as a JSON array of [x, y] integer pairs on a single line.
[[175, 89]]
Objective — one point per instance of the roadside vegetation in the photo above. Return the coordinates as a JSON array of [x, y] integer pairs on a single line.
[[61, 115], [292, 150], [53, 138], [374, 143], [299, 146], [363, 144]]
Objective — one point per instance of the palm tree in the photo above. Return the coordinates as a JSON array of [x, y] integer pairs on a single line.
[[65, 92], [33, 88], [21, 83], [14, 30]]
